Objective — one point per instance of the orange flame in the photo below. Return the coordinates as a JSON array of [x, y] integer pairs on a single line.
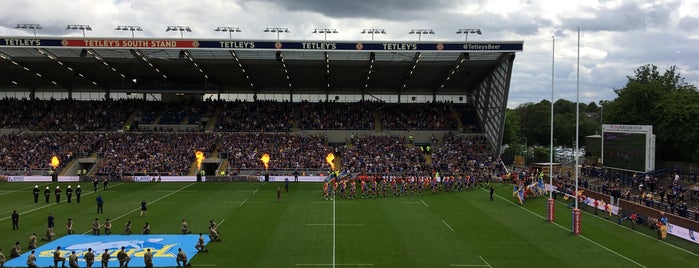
[[200, 158], [265, 160], [55, 162], [330, 159]]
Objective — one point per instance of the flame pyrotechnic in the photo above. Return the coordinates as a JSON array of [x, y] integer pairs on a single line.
[[331, 160], [265, 160], [200, 158], [55, 162]]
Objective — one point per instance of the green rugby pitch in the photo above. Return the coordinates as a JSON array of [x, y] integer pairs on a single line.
[[462, 229]]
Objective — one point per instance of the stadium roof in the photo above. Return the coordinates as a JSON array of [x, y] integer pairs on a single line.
[[248, 66]]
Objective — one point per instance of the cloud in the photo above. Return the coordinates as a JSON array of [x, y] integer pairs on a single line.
[[617, 36]]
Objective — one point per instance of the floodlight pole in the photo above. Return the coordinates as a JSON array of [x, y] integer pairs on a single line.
[[373, 31], [419, 32], [179, 28], [468, 31], [81, 27], [131, 28], [228, 29], [277, 30], [28, 26], [325, 31]]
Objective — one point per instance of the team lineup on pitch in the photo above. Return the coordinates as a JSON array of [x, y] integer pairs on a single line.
[[304, 229]]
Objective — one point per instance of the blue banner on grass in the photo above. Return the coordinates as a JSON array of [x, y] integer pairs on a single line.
[[164, 248]]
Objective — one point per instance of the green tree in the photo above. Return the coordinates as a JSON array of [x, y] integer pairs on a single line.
[[512, 129], [664, 101]]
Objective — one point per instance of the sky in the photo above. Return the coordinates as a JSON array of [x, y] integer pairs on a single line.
[[616, 36]]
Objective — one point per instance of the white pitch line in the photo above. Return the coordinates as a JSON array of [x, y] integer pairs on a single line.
[[564, 228], [221, 222], [469, 265], [485, 261], [337, 264], [643, 234], [45, 206], [241, 203], [423, 201], [330, 224], [332, 202], [258, 188], [138, 208], [445, 223], [167, 191]]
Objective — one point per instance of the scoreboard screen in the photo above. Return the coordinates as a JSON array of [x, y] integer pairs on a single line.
[[625, 150]]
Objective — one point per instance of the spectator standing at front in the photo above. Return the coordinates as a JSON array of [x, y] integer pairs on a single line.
[[35, 191], [148, 258], [15, 220], [73, 260], [105, 258], [51, 222], [96, 227], [58, 258], [127, 228], [47, 194], [78, 192], [32, 241], [143, 208], [69, 193], [69, 226], [31, 260], [146, 229], [57, 193], [15, 251], [89, 258], [123, 258], [95, 182], [182, 257], [107, 227], [100, 204]]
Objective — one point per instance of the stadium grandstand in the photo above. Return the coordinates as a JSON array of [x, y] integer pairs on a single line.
[[113, 109], [128, 107]]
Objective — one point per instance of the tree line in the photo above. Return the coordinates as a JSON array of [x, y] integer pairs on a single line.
[[663, 100]]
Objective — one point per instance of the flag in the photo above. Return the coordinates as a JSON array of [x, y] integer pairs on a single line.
[[331, 177]]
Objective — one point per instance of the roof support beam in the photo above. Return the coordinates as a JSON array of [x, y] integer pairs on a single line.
[[460, 61], [372, 60], [10, 59], [240, 64], [188, 56], [280, 58], [141, 56], [55, 59], [410, 73]]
